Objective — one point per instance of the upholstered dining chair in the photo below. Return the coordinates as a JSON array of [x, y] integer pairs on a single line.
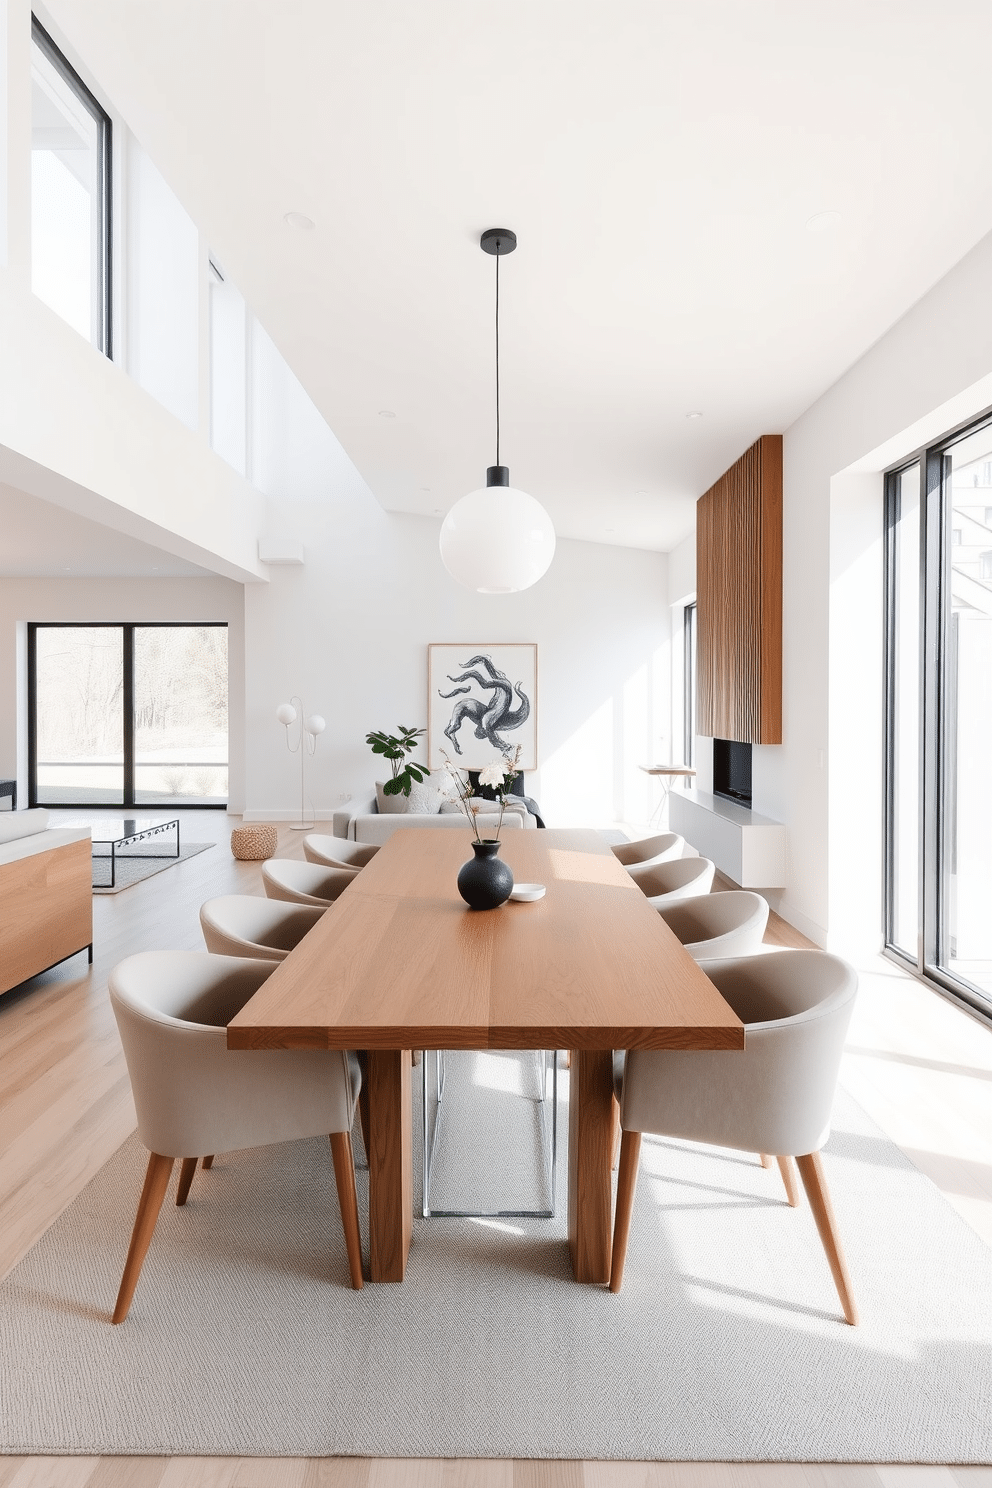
[[648, 850], [195, 1097], [682, 878], [773, 1097], [247, 925], [304, 883], [714, 926], [337, 852]]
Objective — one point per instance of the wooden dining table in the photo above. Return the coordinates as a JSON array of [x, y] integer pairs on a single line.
[[399, 962]]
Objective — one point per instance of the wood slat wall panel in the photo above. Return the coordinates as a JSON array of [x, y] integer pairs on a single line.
[[739, 599]]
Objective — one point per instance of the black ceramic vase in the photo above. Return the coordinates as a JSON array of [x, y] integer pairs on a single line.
[[484, 882]]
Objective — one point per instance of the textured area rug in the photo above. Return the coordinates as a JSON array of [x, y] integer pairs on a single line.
[[135, 865], [725, 1343]]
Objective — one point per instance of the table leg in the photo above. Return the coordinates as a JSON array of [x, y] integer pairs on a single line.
[[590, 1141], [390, 1162]]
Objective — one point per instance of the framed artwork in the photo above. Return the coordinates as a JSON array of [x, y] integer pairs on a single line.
[[481, 701]]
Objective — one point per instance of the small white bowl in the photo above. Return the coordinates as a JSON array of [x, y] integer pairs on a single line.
[[527, 893]]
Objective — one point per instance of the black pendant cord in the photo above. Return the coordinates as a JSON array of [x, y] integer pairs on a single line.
[[497, 355]]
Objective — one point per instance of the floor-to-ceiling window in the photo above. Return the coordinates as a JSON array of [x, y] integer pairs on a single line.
[[938, 877], [128, 715]]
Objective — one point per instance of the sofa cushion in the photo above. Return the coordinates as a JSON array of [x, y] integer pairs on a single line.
[[15, 824], [389, 805], [379, 829], [425, 800]]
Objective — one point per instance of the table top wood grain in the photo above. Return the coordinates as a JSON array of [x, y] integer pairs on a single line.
[[399, 961]]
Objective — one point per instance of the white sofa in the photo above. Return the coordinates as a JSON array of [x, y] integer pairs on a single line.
[[46, 894], [361, 820]]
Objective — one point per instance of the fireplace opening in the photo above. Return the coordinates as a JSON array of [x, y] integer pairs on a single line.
[[732, 770]]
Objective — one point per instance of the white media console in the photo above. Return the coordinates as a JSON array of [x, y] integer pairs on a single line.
[[747, 847]]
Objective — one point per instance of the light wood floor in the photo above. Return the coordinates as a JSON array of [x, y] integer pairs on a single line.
[[918, 1065]]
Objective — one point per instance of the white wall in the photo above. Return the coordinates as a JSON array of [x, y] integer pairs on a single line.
[[349, 632], [177, 600], [930, 372]]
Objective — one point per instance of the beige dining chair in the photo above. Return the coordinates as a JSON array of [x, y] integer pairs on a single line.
[[248, 925], [714, 926], [648, 850], [304, 883], [195, 1097], [774, 1097], [682, 878], [337, 852]]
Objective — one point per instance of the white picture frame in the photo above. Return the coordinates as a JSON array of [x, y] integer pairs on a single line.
[[487, 687]]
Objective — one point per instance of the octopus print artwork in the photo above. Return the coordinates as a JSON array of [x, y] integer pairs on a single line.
[[482, 703]]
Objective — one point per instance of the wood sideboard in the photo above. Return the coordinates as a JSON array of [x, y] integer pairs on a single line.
[[46, 905]]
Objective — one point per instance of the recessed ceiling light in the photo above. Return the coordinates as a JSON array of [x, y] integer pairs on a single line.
[[386, 413], [636, 493], [695, 414], [300, 220], [425, 488], [822, 221], [609, 529]]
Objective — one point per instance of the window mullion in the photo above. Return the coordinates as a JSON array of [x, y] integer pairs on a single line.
[[129, 715]]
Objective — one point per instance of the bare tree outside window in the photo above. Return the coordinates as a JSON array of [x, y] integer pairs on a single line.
[[176, 693]]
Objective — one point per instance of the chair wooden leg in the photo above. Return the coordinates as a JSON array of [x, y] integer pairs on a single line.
[[630, 1151], [815, 1184], [789, 1179], [766, 1161], [185, 1179], [208, 1162], [156, 1182], [344, 1176]]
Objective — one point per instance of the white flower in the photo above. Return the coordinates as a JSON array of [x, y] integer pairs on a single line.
[[493, 774]]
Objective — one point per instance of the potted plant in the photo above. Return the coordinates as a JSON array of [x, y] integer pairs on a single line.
[[395, 747]]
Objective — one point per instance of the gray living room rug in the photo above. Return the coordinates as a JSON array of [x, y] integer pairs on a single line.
[[134, 866], [726, 1342]]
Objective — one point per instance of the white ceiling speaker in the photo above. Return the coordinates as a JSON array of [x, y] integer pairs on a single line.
[[497, 540]]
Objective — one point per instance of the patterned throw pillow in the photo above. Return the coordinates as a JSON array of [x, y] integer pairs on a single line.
[[425, 800]]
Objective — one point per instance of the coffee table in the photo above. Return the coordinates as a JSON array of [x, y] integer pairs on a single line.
[[119, 834], [401, 963]]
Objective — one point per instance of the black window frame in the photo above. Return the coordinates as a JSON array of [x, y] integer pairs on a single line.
[[105, 179], [128, 627]]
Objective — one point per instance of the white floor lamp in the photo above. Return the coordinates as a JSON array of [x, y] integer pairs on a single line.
[[306, 743]]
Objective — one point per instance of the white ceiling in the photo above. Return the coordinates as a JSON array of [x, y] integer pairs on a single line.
[[659, 162], [41, 540]]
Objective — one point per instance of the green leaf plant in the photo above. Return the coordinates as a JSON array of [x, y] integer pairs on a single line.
[[394, 748]]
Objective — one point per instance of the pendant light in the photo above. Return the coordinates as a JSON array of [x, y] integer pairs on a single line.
[[498, 539]]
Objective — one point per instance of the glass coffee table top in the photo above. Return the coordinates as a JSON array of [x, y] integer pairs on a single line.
[[122, 829]]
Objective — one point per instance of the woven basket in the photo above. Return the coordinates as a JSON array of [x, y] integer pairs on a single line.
[[249, 844]]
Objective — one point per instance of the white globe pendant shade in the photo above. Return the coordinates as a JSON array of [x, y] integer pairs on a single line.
[[497, 540]]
